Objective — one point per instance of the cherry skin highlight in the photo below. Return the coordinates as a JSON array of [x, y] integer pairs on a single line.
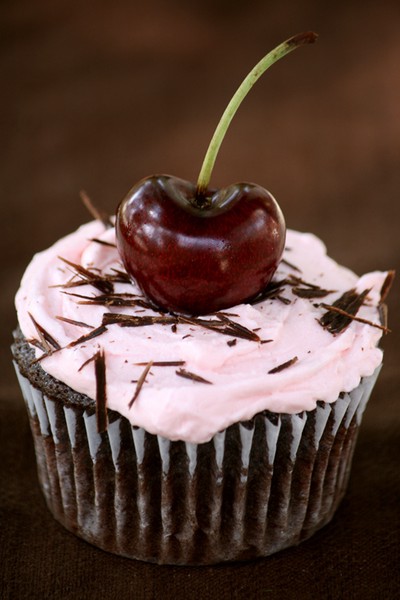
[[197, 255]]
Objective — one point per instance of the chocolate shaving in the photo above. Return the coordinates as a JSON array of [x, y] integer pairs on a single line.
[[292, 266], [301, 288], [283, 366], [192, 376], [46, 342], [237, 329], [120, 276], [271, 291], [343, 311], [72, 283], [294, 280], [305, 289], [135, 320], [308, 292], [163, 363], [42, 357], [387, 284], [96, 213], [140, 383], [88, 336], [101, 391], [73, 322], [222, 324], [83, 365], [352, 317], [103, 243], [383, 314], [37, 344], [88, 277], [113, 300], [232, 342]]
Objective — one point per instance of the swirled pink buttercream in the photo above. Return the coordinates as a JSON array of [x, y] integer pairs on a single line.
[[241, 372]]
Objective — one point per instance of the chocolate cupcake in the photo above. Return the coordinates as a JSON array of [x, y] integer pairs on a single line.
[[194, 440]]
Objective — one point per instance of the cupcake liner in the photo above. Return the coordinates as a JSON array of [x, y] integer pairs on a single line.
[[254, 489]]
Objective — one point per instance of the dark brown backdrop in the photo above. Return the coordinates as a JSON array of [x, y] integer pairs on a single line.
[[96, 95]]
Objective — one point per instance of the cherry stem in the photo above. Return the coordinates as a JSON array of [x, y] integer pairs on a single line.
[[269, 59]]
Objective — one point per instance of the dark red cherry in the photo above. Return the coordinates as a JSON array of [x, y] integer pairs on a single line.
[[196, 250], [196, 260]]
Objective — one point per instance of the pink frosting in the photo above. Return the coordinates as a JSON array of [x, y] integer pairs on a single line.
[[241, 384]]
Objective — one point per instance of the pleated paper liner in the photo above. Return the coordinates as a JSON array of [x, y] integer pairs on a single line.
[[254, 489]]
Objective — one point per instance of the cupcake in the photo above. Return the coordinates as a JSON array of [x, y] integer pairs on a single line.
[[195, 395], [194, 440]]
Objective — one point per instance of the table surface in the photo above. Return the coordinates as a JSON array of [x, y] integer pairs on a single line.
[[96, 96]]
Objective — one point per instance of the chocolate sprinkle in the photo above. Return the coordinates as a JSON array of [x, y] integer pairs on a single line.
[[283, 366], [192, 376], [140, 383], [101, 391]]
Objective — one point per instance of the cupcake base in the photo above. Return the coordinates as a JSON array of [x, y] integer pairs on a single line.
[[256, 488]]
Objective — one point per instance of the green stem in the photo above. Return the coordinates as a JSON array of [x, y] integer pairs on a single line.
[[242, 91]]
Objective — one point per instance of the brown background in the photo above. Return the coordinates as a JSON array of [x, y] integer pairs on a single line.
[[98, 94]]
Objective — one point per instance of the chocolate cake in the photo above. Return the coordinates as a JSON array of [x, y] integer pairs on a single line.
[[194, 440], [256, 488]]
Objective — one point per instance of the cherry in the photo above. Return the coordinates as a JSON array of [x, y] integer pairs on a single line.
[[193, 260], [197, 250]]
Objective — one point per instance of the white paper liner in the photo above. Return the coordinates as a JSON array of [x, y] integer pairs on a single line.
[[254, 489]]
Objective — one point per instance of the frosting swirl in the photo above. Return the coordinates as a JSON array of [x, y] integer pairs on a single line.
[[290, 364]]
